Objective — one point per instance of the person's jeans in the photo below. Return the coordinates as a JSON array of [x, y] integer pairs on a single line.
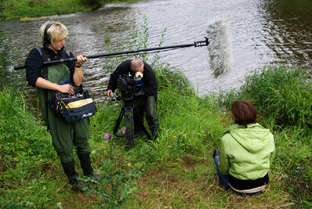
[[224, 179]]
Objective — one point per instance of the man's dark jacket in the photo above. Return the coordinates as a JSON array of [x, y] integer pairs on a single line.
[[149, 79]]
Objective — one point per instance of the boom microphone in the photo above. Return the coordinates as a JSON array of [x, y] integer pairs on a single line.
[[217, 42], [219, 47]]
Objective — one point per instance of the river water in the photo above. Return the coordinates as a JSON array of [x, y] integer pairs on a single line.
[[262, 32]]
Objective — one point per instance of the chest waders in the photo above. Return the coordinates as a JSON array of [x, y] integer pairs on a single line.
[[66, 135]]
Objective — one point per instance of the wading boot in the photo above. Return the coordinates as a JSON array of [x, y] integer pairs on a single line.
[[69, 169], [155, 134], [85, 162]]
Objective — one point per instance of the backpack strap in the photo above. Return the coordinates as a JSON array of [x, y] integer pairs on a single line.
[[45, 57], [65, 54], [45, 69]]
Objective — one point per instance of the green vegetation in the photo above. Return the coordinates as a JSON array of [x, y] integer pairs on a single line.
[[176, 170], [34, 8]]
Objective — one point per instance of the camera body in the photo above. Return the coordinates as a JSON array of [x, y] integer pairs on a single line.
[[129, 87]]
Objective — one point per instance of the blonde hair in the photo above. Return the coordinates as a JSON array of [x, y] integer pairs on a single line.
[[56, 32]]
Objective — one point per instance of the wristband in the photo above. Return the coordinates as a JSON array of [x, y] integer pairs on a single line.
[[78, 65]]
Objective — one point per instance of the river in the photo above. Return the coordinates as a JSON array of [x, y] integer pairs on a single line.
[[262, 32]]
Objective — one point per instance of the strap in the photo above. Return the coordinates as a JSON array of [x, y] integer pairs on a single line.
[[45, 58], [39, 50], [65, 54], [45, 68]]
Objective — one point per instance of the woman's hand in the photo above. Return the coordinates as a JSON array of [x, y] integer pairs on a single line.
[[78, 75], [66, 89], [80, 60]]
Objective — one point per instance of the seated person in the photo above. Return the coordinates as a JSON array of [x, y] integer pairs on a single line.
[[246, 152]]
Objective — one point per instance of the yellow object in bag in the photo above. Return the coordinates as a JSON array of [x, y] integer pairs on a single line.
[[80, 103]]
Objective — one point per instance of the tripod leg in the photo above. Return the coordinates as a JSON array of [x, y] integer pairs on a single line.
[[129, 127], [119, 119]]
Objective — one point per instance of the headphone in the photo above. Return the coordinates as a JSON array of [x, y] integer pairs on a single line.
[[46, 38]]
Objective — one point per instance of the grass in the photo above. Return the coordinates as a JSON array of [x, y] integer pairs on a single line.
[[177, 171]]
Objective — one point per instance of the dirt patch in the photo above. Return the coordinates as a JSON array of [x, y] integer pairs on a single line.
[[188, 163], [155, 173]]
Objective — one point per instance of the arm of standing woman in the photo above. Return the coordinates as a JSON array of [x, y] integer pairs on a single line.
[[78, 75]]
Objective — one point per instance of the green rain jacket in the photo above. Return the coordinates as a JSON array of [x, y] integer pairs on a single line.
[[246, 153]]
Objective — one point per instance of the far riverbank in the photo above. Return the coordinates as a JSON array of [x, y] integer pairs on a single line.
[[34, 10]]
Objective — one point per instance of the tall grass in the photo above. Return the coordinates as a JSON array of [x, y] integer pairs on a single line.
[[278, 92], [26, 152]]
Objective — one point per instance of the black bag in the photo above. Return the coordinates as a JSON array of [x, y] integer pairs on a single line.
[[73, 107]]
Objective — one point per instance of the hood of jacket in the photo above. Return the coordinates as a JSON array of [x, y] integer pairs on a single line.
[[253, 138]]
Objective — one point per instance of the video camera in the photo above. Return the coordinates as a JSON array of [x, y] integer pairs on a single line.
[[129, 87]]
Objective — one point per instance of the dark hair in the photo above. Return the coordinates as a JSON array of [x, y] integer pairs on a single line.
[[244, 112]]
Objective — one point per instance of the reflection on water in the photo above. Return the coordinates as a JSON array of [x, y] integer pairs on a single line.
[[262, 32], [288, 30]]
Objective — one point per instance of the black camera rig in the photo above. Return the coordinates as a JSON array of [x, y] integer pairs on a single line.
[[129, 88]]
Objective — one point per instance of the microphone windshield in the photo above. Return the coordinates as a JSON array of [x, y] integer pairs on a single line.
[[219, 47]]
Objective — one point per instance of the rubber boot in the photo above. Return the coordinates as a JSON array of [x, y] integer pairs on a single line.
[[69, 169], [155, 134], [85, 162]]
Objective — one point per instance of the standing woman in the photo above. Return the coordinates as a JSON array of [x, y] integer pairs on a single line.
[[63, 78], [246, 152]]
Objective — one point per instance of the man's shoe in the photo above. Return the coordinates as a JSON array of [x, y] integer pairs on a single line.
[[138, 133], [215, 153]]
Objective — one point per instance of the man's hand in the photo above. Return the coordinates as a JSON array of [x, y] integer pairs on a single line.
[[108, 92]]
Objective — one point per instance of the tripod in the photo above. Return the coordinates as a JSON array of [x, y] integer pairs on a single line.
[[130, 115]]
